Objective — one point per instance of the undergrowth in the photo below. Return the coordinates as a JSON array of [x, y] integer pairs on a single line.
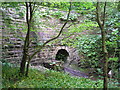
[[48, 79]]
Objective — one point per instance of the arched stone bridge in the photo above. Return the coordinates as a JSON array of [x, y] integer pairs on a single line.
[[12, 40], [70, 55]]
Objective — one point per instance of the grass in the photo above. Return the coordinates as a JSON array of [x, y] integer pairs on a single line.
[[48, 79]]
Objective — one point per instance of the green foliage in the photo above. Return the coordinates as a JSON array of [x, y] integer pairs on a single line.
[[45, 14], [57, 14], [9, 74], [11, 4], [87, 42], [49, 79], [59, 5], [90, 47], [83, 7], [80, 7], [73, 30], [113, 59], [72, 17]]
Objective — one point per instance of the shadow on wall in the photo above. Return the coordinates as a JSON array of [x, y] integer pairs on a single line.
[[62, 55]]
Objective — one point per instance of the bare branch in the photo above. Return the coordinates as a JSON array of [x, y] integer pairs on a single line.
[[98, 15], [31, 14], [33, 8], [61, 28], [54, 37], [66, 37], [26, 12], [104, 15]]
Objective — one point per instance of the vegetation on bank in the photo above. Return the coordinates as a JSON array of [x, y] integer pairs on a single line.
[[89, 46], [48, 79]]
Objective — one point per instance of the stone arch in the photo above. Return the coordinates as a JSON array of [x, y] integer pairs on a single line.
[[62, 54]]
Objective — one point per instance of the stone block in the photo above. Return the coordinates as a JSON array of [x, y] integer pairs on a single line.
[[34, 42], [11, 53], [5, 46], [17, 43], [18, 39], [11, 46], [17, 46], [16, 55], [13, 39]]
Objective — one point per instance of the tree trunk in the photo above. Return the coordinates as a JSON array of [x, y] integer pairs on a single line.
[[29, 27], [104, 50], [26, 43], [105, 55], [27, 67], [118, 43], [25, 50]]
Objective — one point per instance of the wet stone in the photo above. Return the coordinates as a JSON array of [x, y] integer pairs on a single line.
[[7, 57], [17, 52], [13, 39], [15, 55], [17, 46], [34, 43], [16, 16], [12, 32], [11, 46], [18, 43], [19, 39], [11, 53], [5, 46]]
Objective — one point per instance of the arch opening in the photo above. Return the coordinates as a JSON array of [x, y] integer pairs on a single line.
[[62, 55]]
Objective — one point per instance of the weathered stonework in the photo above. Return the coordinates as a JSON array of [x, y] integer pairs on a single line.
[[49, 53], [13, 41]]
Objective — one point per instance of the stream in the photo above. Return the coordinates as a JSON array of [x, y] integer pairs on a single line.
[[77, 73]]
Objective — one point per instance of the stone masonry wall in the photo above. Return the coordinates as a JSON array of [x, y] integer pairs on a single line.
[[13, 41], [49, 54]]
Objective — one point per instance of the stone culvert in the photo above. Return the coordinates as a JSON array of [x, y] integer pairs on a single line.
[[13, 26]]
